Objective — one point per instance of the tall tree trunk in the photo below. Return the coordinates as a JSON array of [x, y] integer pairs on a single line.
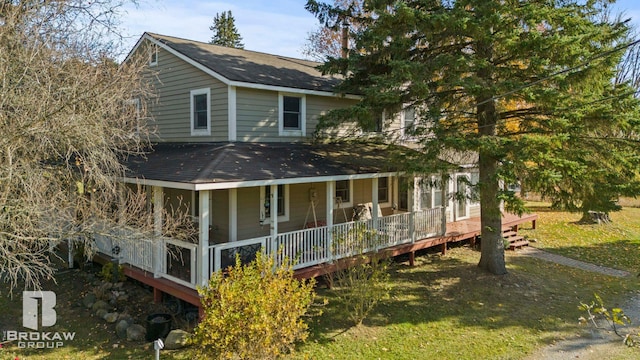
[[492, 249]]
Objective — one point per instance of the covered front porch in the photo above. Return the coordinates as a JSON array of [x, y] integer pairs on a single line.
[[312, 252]]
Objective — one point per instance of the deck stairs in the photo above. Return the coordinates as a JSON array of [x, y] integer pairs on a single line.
[[515, 241]]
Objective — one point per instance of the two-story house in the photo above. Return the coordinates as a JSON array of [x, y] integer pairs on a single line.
[[234, 131]]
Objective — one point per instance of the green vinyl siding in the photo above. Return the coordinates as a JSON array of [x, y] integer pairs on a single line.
[[173, 80]]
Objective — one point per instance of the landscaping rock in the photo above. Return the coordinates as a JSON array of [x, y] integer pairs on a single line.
[[101, 313], [88, 300], [177, 339], [136, 332], [121, 328], [100, 304], [111, 317]]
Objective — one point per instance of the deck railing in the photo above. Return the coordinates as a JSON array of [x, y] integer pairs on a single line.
[[308, 247], [179, 260]]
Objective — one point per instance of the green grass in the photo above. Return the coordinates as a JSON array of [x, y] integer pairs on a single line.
[[442, 308], [616, 244]]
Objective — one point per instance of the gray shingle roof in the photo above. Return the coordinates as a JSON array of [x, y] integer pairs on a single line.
[[198, 163], [251, 66]]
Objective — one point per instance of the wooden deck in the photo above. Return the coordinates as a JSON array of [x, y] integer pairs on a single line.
[[468, 229]]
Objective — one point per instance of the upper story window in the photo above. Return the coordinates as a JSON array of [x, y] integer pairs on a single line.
[[376, 124], [408, 120], [201, 112], [291, 115], [153, 55], [282, 201]]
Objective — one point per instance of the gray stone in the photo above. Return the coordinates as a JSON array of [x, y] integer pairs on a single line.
[[126, 317], [88, 300], [136, 332], [101, 313], [177, 339], [100, 304], [121, 328], [110, 317]]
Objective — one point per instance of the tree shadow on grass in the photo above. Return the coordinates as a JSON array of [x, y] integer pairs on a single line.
[[535, 296]]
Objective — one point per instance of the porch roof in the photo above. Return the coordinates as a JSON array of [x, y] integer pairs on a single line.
[[226, 163]]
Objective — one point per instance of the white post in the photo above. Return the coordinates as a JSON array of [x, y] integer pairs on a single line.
[[412, 211], [445, 201], [374, 209], [273, 207], [158, 253], [203, 242], [233, 214], [329, 216]]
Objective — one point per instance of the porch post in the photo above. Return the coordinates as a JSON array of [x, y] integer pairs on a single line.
[[158, 249], [445, 201], [374, 210], [412, 211], [329, 216], [273, 207], [233, 214], [203, 242]]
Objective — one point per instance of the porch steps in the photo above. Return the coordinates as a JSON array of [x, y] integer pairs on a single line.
[[515, 241]]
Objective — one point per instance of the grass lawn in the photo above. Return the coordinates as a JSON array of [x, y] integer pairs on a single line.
[[442, 308], [616, 244]]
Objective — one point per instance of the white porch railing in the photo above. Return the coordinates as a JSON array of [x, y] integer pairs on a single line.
[[136, 252], [304, 248], [319, 245], [179, 261]]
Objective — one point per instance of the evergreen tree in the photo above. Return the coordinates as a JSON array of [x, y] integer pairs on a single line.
[[527, 86], [225, 32]]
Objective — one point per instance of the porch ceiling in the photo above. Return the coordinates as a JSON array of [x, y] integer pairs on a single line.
[[203, 163]]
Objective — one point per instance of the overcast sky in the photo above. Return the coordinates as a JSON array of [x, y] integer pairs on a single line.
[[272, 26]]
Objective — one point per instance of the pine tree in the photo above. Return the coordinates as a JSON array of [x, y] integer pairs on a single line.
[[526, 86], [225, 32]]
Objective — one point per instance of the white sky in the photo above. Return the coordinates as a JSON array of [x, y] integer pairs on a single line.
[[272, 26]]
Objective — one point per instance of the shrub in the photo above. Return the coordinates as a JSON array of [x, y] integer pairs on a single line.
[[361, 282], [252, 311], [362, 286]]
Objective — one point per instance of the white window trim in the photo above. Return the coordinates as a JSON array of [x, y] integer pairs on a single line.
[[345, 204], [403, 125], [432, 189], [303, 115], [389, 192], [153, 55], [194, 131], [267, 217], [467, 201]]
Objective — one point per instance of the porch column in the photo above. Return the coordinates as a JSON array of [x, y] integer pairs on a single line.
[[445, 201], [374, 206], [273, 207], [158, 248], [412, 211], [233, 214], [329, 216], [203, 242]]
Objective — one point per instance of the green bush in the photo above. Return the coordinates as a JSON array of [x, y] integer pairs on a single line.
[[362, 286], [252, 311], [107, 273], [362, 281]]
